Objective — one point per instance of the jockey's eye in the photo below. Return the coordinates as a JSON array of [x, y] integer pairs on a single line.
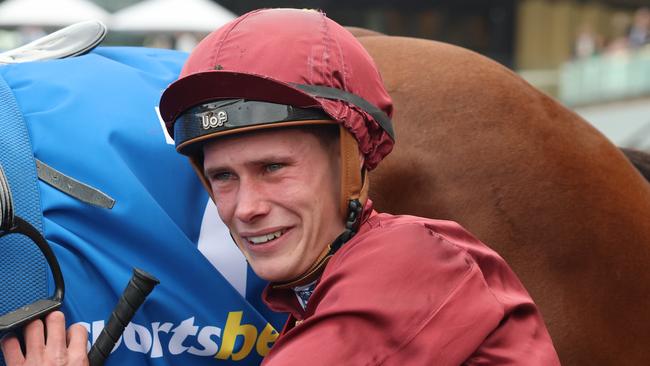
[[274, 167], [221, 176]]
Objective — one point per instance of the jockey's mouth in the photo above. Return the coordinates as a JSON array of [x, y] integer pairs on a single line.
[[264, 238]]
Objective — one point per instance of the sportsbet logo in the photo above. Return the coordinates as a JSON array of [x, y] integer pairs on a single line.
[[236, 341], [234, 328]]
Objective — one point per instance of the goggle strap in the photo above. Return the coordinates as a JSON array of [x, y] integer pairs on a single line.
[[337, 94]]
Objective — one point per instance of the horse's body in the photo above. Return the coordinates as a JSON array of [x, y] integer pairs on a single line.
[[478, 145]]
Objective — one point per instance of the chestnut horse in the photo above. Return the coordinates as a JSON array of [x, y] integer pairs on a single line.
[[478, 145]]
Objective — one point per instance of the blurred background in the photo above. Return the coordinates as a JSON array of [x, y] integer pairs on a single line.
[[592, 55]]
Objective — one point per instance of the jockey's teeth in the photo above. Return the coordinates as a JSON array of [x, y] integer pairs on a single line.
[[264, 238]]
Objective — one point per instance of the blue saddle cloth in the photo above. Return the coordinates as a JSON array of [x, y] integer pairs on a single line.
[[93, 118]]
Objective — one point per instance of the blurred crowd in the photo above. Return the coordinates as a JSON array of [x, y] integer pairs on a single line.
[[182, 41], [626, 33]]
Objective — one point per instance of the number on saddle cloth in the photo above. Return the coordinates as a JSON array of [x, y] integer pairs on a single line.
[[90, 124]]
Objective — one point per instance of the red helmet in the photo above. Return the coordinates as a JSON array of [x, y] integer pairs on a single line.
[[282, 67], [274, 55]]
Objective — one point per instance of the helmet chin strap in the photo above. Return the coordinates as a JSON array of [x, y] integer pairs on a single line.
[[354, 194]]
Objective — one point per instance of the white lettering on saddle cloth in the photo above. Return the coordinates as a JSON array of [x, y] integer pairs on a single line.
[[235, 341]]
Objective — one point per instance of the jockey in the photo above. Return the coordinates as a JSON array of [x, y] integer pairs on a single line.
[[254, 110], [327, 81], [282, 113]]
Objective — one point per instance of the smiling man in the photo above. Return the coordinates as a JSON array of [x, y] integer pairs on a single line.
[[300, 116], [282, 113], [266, 196]]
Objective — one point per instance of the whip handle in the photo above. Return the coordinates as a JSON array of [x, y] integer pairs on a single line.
[[139, 287]]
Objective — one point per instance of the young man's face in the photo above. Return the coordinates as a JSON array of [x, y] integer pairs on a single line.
[[278, 193]]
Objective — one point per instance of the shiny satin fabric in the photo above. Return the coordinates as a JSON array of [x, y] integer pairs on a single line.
[[413, 291]]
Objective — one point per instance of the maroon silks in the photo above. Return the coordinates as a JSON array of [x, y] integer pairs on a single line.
[[413, 291]]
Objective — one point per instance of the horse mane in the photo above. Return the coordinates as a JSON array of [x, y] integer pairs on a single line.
[[640, 160]]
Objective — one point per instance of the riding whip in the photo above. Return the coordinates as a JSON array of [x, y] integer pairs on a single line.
[[136, 291]]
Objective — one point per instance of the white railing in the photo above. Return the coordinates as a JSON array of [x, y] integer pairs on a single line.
[[605, 78]]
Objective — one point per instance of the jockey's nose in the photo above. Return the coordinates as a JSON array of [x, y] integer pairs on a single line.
[[251, 202]]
